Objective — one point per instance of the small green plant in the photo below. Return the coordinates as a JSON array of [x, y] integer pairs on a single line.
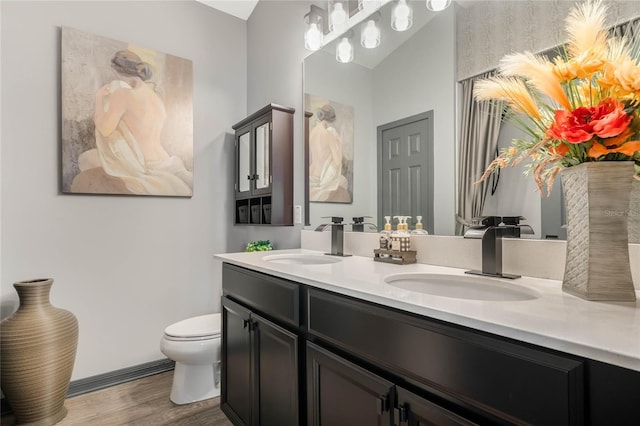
[[260, 245]]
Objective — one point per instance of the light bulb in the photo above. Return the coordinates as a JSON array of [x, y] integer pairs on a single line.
[[402, 16], [344, 51], [370, 35], [313, 37], [402, 10], [401, 25], [338, 16], [438, 5]]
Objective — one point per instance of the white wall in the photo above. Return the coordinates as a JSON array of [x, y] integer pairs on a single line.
[[274, 74], [125, 266]]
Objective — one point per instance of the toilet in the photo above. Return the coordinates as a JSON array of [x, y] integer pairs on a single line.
[[194, 344]]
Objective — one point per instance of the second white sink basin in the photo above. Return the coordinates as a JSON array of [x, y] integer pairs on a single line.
[[301, 259], [461, 287]]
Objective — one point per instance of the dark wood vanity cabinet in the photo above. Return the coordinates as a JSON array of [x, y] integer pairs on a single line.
[[487, 376], [260, 356], [264, 167], [341, 393], [359, 363]]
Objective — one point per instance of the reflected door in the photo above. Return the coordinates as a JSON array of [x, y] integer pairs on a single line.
[[405, 172]]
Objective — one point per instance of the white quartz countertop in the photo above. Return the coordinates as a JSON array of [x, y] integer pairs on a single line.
[[603, 331]]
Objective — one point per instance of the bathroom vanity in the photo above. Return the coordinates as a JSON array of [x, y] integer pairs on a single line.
[[315, 339]]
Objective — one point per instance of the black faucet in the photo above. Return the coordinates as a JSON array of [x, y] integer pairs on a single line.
[[359, 223], [337, 236], [491, 250], [492, 230]]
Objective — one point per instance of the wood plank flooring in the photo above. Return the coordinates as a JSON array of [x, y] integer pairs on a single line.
[[143, 402]]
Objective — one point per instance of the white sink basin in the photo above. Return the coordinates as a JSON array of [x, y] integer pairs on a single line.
[[461, 287], [301, 259]]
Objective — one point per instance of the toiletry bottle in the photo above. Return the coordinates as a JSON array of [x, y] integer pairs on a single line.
[[419, 229], [385, 234], [395, 235], [404, 235]]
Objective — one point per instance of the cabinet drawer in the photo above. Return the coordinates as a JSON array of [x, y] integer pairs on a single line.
[[513, 382], [274, 297]]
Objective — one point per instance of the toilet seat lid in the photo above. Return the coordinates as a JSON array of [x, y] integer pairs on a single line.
[[202, 326]]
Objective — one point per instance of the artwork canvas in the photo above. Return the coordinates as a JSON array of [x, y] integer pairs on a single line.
[[127, 118], [330, 150]]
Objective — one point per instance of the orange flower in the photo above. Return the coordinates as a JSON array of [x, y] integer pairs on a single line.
[[583, 67], [560, 150], [620, 139], [629, 148], [610, 119]]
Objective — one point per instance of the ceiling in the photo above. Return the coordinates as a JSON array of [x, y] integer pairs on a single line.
[[243, 8], [238, 8]]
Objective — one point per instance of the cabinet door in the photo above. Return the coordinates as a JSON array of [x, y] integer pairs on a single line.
[[277, 372], [262, 156], [244, 169], [236, 394], [340, 393], [416, 411]]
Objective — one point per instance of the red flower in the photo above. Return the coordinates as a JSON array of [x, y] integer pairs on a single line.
[[606, 120], [572, 126], [610, 119]]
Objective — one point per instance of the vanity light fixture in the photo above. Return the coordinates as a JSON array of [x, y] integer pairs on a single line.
[[314, 28], [338, 15], [370, 34], [344, 49], [401, 16], [438, 5]]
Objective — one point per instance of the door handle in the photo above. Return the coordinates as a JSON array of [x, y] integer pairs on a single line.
[[399, 416], [250, 324]]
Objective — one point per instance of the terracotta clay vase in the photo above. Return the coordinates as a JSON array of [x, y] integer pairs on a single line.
[[37, 352]]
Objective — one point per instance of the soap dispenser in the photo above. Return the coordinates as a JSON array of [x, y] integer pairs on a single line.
[[395, 235], [419, 229], [385, 234], [400, 239]]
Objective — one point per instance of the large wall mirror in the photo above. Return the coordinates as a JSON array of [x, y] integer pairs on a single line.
[[417, 73], [411, 73]]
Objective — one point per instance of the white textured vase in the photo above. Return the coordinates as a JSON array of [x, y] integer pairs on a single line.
[[597, 200]]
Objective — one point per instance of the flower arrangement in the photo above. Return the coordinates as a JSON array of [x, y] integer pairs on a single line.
[[581, 106]]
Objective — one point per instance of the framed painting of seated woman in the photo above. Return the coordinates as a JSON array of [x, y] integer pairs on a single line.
[[127, 118], [330, 150]]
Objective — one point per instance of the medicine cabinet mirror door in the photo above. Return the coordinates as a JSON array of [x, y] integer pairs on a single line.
[[244, 174], [262, 175]]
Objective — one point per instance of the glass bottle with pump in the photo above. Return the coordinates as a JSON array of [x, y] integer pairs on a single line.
[[385, 234], [419, 229]]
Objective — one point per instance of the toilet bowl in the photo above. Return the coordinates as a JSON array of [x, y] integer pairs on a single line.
[[194, 344]]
